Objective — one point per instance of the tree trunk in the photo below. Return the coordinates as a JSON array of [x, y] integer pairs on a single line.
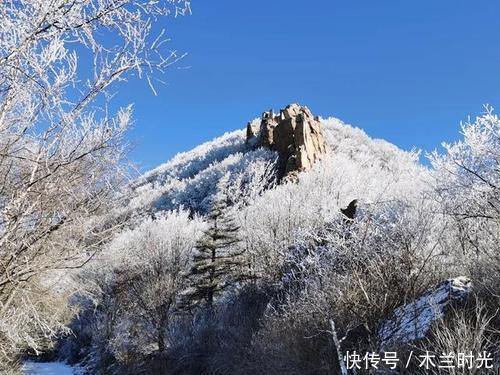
[[161, 340]]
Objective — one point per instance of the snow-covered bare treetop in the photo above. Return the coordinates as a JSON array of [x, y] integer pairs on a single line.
[[43, 43]]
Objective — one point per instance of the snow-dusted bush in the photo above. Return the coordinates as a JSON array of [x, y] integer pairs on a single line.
[[185, 165], [465, 331], [355, 273], [468, 174]]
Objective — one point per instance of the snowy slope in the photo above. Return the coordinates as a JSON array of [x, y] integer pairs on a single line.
[[47, 368], [190, 178]]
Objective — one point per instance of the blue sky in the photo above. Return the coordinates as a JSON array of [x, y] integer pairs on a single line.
[[405, 71]]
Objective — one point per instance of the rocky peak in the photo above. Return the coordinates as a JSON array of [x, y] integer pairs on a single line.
[[294, 133]]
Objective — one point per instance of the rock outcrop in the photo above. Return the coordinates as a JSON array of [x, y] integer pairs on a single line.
[[413, 321], [294, 133], [350, 211]]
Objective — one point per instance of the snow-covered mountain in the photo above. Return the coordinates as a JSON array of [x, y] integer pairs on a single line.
[[356, 166], [302, 228]]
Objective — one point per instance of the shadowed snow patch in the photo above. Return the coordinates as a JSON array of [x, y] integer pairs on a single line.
[[47, 368]]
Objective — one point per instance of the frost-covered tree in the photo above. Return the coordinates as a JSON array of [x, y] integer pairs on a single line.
[[467, 186], [60, 144], [468, 174], [130, 295], [157, 256]]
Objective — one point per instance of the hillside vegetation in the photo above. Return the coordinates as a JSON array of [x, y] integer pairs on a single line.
[[290, 274]]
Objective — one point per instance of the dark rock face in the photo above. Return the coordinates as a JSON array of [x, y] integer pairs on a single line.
[[350, 210], [295, 134]]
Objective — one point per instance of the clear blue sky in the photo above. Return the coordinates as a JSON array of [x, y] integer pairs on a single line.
[[406, 71]]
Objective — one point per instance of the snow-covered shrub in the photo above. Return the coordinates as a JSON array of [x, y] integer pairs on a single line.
[[467, 185], [219, 339], [466, 331], [355, 273], [186, 165]]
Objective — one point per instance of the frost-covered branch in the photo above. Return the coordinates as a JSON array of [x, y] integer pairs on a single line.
[[60, 146]]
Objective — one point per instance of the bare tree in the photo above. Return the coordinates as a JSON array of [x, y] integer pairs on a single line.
[[60, 145], [468, 189], [156, 255]]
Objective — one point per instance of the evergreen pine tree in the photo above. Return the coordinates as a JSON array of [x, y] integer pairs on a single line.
[[217, 263]]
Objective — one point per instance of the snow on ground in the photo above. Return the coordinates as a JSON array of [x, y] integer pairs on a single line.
[[47, 368]]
